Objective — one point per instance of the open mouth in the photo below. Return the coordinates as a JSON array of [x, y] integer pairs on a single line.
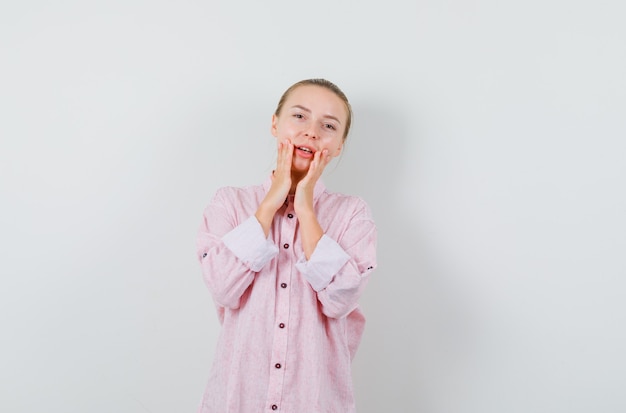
[[305, 151]]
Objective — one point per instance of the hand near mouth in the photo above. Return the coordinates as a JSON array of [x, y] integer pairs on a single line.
[[310, 229], [281, 184], [304, 189]]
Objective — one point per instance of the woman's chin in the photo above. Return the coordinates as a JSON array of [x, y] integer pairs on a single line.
[[300, 166]]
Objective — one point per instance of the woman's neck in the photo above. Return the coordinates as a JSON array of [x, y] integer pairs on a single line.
[[296, 177]]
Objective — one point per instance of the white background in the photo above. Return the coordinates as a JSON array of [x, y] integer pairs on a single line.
[[489, 141]]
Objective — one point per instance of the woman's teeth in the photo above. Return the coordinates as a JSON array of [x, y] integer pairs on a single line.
[[305, 149]]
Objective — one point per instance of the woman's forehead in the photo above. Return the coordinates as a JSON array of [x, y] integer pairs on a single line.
[[317, 99]]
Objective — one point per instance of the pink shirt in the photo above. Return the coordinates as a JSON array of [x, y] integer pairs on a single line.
[[290, 327]]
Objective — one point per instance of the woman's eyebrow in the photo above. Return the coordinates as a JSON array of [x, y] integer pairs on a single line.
[[301, 108], [307, 110]]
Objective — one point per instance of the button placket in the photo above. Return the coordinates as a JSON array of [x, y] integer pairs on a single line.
[[285, 238]]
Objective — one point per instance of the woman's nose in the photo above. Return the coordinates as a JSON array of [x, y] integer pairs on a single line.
[[311, 133]]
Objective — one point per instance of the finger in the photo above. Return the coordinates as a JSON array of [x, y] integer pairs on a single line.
[[317, 167], [314, 164], [287, 155], [322, 161], [326, 157], [279, 154], [283, 155]]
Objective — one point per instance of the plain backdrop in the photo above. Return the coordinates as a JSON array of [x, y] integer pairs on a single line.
[[489, 141]]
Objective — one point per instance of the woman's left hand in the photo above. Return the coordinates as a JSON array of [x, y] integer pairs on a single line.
[[303, 199], [310, 229]]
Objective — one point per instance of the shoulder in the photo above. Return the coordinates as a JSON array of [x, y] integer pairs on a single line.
[[234, 195], [352, 205], [238, 191]]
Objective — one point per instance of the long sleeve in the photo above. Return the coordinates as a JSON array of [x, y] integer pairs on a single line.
[[338, 270], [230, 252]]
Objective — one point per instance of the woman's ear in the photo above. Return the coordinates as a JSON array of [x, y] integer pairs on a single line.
[[274, 128]]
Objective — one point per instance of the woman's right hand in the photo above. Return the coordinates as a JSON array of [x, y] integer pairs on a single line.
[[279, 190]]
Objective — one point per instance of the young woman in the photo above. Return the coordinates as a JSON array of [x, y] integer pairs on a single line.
[[286, 262]]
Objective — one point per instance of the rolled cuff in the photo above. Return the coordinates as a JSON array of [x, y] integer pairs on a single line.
[[326, 261], [248, 242]]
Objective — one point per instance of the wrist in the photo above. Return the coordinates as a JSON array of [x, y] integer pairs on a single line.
[[265, 210], [305, 212], [265, 215]]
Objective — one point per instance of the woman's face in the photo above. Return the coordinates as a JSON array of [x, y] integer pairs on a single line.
[[313, 118]]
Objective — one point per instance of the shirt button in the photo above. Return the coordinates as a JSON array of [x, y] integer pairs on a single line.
[[281, 325], [283, 285], [274, 407], [277, 365], [290, 215], [285, 246]]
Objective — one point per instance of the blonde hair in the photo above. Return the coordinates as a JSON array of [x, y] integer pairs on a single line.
[[321, 83]]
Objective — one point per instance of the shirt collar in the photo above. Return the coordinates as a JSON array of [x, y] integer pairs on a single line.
[[317, 191]]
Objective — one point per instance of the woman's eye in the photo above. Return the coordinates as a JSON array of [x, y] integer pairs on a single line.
[[298, 115], [329, 126]]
